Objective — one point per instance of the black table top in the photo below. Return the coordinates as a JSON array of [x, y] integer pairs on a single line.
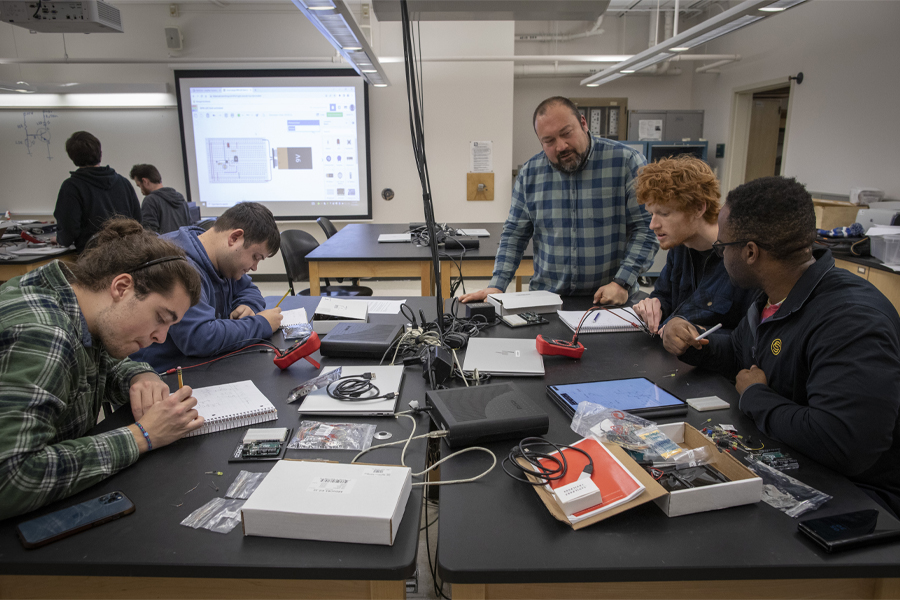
[[151, 542], [498, 531], [359, 241]]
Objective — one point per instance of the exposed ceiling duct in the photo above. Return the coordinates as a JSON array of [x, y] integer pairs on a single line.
[[493, 10]]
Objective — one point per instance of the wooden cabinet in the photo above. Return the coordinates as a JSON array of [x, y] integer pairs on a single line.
[[887, 282]]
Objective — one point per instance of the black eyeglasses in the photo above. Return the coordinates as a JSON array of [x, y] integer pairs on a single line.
[[156, 261], [719, 247]]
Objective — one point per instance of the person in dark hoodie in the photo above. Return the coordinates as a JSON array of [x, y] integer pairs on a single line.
[[164, 210], [231, 312], [91, 195], [817, 358]]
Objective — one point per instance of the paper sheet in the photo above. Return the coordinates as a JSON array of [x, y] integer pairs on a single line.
[[296, 316], [384, 307]]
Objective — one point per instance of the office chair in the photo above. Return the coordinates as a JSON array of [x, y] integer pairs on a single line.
[[295, 245], [329, 229]]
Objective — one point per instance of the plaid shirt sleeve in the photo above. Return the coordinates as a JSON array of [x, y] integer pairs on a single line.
[[119, 376], [47, 404], [642, 246], [517, 231]]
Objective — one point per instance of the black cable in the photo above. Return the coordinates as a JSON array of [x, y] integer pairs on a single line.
[[544, 473], [356, 388]]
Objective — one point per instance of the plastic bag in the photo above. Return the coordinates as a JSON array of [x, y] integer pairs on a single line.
[[606, 425], [219, 515], [244, 485], [307, 387], [785, 493], [313, 435], [298, 331], [658, 442]]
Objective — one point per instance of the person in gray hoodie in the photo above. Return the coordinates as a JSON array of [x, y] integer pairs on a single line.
[[91, 195], [164, 210]]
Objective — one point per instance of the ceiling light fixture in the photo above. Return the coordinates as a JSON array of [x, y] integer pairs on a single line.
[[340, 29], [743, 14]]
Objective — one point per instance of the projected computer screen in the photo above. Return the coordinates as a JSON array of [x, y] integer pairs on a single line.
[[295, 141]]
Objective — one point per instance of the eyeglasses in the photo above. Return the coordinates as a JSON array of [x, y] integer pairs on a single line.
[[156, 261], [719, 247]]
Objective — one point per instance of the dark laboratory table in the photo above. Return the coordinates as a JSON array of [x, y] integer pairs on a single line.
[[356, 252], [149, 554], [497, 539]]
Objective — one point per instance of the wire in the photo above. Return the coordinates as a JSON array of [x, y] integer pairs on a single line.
[[540, 470], [357, 388], [230, 354]]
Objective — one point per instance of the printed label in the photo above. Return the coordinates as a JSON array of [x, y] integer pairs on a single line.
[[324, 430], [378, 472], [331, 485]]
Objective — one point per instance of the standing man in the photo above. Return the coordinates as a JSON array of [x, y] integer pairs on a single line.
[[817, 358], [230, 313], [65, 332], [576, 199], [164, 210], [91, 195], [682, 196]]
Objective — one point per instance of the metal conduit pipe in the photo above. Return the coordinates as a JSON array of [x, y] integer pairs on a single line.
[[528, 37]]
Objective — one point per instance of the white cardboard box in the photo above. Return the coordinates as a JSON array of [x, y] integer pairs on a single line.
[[341, 311], [745, 486], [513, 303], [332, 502]]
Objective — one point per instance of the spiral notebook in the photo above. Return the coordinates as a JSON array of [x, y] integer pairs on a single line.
[[600, 321], [232, 405]]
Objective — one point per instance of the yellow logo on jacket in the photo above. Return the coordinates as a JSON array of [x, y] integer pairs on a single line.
[[776, 346]]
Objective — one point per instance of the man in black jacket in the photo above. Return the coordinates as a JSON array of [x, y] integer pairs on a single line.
[[817, 358], [164, 210], [91, 195]]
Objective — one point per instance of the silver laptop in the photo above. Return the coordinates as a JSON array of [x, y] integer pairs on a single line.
[[503, 356], [387, 379]]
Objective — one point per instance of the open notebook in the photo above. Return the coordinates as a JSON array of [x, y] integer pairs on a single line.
[[232, 405], [601, 321]]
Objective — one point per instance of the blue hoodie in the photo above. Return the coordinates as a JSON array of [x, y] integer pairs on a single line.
[[206, 328]]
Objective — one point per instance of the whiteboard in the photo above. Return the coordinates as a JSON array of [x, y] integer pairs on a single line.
[[33, 160]]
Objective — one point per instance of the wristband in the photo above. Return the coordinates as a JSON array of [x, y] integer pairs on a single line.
[[146, 436]]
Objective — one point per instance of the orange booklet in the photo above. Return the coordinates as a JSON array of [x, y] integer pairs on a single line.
[[616, 483]]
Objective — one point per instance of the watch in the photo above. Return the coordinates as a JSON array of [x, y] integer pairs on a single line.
[[621, 282]]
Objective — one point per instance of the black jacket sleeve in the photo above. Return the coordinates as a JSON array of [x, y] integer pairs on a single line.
[[68, 213]]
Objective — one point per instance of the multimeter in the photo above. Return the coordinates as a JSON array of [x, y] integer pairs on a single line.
[[551, 347]]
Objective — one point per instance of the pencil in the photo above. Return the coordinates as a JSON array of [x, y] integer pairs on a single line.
[[283, 297], [180, 380]]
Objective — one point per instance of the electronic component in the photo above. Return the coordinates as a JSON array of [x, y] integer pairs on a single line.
[[262, 444], [522, 319], [551, 347], [777, 459], [301, 349]]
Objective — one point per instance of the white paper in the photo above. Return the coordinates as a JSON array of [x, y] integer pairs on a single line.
[[295, 316], [475, 232], [883, 230], [385, 307], [481, 159], [46, 251], [650, 129], [395, 237]]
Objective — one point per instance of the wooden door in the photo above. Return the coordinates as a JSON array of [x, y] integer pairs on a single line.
[[762, 149]]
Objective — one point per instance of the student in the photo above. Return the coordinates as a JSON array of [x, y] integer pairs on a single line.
[[65, 332], [682, 196], [817, 358], [230, 312], [576, 201], [91, 195], [164, 210]]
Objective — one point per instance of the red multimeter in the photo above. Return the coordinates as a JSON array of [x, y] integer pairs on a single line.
[[549, 347], [302, 349]]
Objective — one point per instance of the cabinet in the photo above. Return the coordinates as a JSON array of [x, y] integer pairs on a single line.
[[887, 282]]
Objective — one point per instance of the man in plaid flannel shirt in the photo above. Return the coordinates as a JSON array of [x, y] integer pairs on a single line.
[[64, 332], [576, 199]]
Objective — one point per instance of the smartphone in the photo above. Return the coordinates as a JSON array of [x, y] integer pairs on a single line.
[[68, 521], [851, 530]]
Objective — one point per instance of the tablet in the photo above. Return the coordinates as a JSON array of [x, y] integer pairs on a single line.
[[638, 396], [851, 530]]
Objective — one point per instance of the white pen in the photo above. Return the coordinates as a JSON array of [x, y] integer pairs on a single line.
[[708, 331]]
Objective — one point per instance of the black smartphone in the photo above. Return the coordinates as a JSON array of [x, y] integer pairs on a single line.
[[851, 530], [68, 521]]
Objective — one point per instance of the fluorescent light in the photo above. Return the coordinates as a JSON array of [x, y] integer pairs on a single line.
[[353, 48], [321, 8], [745, 13], [369, 70], [771, 9], [593, 84], [380, 85]]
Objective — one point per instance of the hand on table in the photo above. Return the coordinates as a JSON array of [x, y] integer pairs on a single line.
[[679, 335], [169, 420], [273, 316], [242, 311], [650, 311], [748, 377], [146, 390], [611, 293], [480, 295]]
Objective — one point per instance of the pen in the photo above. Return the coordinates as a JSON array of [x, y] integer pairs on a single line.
[[596, 316], [708, 331], [283, 297], [180, 380]]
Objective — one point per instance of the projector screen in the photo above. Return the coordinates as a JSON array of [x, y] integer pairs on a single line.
[[296, 141]]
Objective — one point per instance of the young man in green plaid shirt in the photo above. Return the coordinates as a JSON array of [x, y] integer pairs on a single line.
[[65, 333], [576, 200]]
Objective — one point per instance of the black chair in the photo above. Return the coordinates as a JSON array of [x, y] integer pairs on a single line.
[[207, 223], [194, 212], [329, 229], [295, 245]]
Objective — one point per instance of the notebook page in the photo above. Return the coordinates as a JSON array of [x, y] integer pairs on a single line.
[[232, 405], [601, 321], [296, 316]]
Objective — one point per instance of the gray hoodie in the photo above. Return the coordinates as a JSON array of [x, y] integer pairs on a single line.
[[165, 210]]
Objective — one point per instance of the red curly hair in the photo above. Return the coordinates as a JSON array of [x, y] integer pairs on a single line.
[[682, 183]]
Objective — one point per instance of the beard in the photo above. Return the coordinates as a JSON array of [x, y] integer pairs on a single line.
[[572, 161]]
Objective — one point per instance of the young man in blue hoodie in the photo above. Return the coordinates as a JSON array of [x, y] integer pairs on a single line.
[[91, 195], [230, 313]]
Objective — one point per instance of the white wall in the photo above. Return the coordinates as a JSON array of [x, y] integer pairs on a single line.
[[463, 101], [844, 123]]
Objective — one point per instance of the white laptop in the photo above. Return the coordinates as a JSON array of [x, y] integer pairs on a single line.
[[387, 379], [504, 357], [394, 238], [474, 232]]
